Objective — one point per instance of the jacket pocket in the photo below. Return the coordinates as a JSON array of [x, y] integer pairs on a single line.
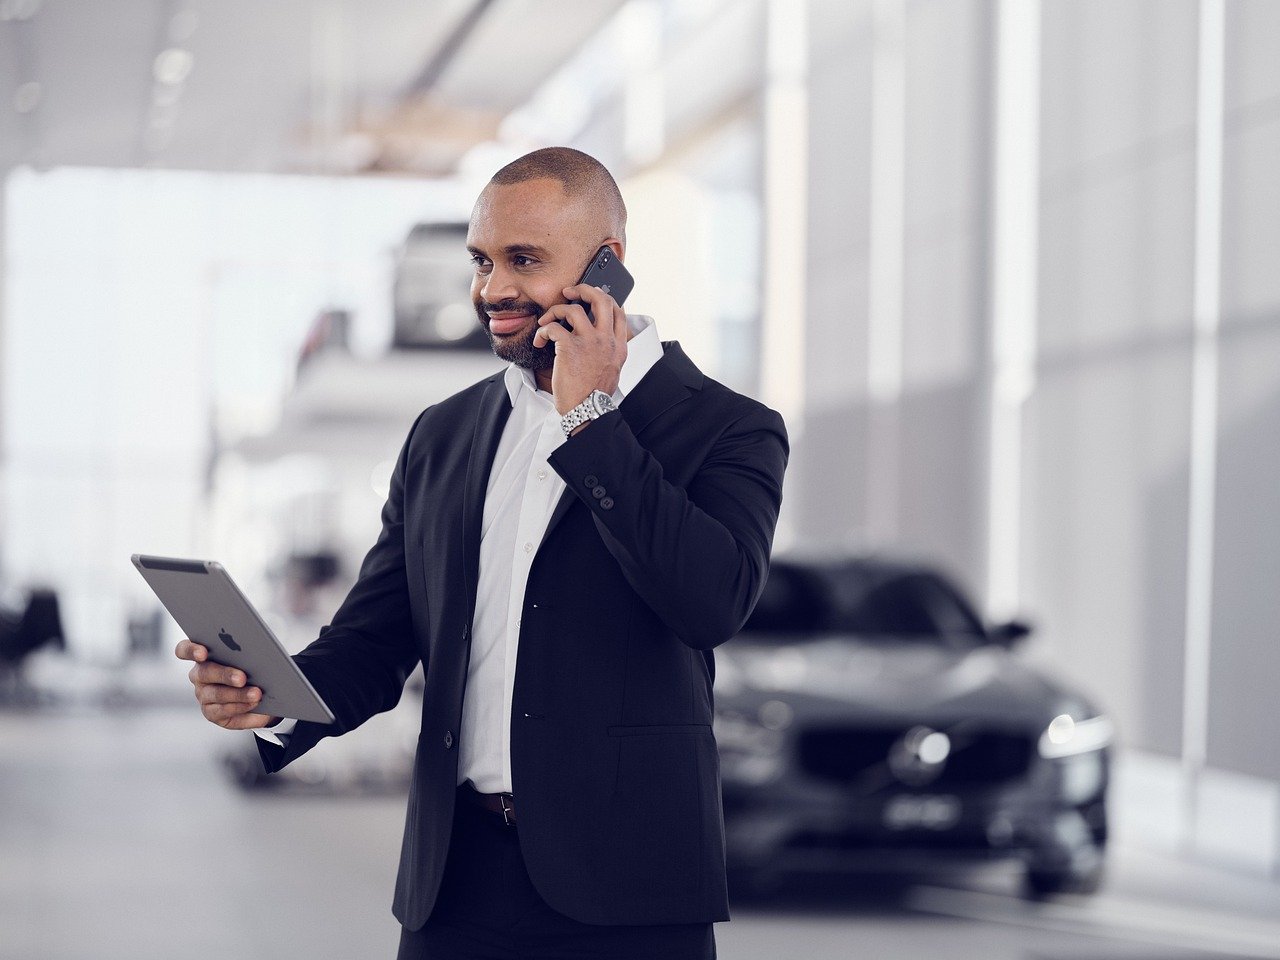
[[660, 729]]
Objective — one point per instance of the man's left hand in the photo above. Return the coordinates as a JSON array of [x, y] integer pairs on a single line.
[[590, 356]]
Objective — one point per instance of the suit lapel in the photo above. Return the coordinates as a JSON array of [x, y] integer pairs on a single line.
[[668, 382], [491, 417]]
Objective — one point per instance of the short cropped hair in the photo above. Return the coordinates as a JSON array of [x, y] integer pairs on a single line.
[[578, 173]]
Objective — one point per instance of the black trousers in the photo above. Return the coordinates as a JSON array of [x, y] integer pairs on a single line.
[[488, 910]]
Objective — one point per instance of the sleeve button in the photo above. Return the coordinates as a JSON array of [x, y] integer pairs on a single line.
[[599, 492], [591, 480], [606, 503], [448, 740]]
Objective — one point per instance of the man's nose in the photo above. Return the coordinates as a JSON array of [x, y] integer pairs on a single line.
[[499, 285]]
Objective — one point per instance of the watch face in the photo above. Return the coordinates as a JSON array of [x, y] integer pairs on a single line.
[[602, 401]]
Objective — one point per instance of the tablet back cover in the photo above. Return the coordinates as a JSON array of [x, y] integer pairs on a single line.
[[211, 610]]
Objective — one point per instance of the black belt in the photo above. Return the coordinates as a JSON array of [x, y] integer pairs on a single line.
[[502, 804]]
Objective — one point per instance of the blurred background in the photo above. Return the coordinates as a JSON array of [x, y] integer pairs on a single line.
[[1007, 268]]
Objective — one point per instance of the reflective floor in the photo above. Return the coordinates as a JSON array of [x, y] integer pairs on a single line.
[[120, 837]]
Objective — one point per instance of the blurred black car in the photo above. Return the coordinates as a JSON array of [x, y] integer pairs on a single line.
[[868, 719]]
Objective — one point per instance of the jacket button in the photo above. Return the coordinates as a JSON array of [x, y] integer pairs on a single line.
[[448, 740], [606, 503], [591, 480], [599, 492]]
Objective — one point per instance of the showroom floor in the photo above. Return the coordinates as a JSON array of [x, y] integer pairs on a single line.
[[120, 837]]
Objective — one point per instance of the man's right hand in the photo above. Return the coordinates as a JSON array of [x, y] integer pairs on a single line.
[[221, 691]]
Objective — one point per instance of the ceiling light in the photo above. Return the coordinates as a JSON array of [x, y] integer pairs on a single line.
[[173, 65]]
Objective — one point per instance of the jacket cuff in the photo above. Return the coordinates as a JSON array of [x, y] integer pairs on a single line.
[[584, 461]]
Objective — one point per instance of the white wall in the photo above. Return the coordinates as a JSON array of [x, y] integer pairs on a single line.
[[150, 315], [1104, 459]]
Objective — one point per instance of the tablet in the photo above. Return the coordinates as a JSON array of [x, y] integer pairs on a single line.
[[211, 610]]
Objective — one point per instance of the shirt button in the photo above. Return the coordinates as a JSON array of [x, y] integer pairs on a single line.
[[519, 620], [528, 547], [448, 739], [542, 474]]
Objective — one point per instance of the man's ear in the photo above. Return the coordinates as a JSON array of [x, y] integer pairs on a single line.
[[619, 248]]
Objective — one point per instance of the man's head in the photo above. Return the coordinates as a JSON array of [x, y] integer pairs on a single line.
[[534, 229]]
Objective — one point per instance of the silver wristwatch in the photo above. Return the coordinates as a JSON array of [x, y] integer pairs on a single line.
[[596, 405]]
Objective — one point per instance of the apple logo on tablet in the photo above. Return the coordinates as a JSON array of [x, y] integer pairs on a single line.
[[229, 640]]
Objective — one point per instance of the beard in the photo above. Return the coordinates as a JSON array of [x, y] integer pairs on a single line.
[[517, 349]]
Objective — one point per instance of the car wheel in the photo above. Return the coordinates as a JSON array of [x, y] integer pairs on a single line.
[[749, 884], [1040, 884], [245, 771]]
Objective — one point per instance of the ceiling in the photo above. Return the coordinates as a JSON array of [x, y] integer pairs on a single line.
[[325, 86]]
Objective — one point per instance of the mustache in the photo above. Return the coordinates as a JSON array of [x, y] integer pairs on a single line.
[[510, 306]]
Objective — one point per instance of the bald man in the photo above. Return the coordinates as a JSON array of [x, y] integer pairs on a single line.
[[563, 546]]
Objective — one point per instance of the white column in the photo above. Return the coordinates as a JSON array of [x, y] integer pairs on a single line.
[[887, 257], [1204, 403], [4, 345], [786, 197], [1014, 289]]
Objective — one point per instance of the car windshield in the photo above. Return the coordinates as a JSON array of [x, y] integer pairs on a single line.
[[874, 603]]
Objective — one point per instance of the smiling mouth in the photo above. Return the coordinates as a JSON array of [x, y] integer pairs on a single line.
[[503, 324]]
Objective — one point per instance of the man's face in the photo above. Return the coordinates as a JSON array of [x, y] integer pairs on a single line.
[[528, 242]]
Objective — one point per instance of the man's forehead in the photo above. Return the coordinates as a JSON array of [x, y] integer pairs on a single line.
[[532, 211]]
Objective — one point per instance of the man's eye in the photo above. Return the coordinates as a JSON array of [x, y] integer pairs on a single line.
[[523, 261], [481, 264]]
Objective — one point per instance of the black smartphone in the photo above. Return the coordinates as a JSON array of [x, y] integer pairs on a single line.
[[606, 272]]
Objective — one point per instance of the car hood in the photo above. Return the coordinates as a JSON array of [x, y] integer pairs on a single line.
[[843, 676]]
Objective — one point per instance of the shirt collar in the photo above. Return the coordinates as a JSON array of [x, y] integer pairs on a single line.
[[644, 349]]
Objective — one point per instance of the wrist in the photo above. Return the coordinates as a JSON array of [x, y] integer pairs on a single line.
[[592, 408], [563, 406]]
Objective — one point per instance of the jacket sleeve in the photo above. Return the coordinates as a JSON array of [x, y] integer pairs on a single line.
[[360, 661], [698, 554]]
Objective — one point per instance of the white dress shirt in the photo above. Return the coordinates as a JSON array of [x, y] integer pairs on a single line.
[[520, 497]]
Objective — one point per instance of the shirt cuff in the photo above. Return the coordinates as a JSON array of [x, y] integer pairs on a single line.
[[273, 734]]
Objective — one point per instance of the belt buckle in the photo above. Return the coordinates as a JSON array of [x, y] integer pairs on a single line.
[[507, 802]]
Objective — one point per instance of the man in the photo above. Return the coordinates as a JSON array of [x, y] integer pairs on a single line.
[[563, 546]]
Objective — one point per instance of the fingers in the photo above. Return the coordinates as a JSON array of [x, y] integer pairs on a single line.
[[221, 705], [212, 672], [190, 650], [601, 304], [248, 721], [550, 329], [215, 693], [234, 716], [222, 692], [621, 334]]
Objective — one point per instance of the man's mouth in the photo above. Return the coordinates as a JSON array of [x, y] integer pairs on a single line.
[[507, 322]]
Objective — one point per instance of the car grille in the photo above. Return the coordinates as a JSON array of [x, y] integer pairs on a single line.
[[860, 756]]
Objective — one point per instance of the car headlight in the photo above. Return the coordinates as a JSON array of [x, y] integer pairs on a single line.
[[750, 752], [1065, 736], [738, 734]]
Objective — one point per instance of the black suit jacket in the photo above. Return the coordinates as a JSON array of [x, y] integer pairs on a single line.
[[655, 554]]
